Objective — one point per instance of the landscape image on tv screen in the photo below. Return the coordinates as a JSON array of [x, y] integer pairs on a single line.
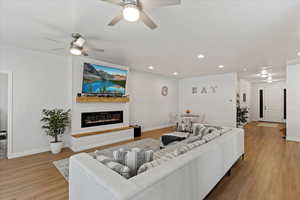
[[103, 80]]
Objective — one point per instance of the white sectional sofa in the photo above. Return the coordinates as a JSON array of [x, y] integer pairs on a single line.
[[190, 176]]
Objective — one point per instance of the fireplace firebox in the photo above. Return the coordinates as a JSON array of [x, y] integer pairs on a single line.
[[91, 119]]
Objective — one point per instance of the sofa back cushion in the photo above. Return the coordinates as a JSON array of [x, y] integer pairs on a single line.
[[150, 165], [188, 147], [211, 136]]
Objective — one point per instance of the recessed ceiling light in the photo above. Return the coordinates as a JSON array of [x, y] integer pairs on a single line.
[[264, 75], [270, 81], [201, 56], [151, 67], [264, 72], [298, 53], [221, 66], [269, 78], [175, 73]]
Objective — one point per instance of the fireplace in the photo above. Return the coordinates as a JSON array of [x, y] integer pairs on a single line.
[[91, 119]]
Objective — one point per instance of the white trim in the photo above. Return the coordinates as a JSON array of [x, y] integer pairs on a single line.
[[293, 139], [32, 151], [9, 112], [28, 152]]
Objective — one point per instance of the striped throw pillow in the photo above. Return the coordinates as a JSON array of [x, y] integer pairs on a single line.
[[115, 166], [119, 155], [137, 157], [197, 128]]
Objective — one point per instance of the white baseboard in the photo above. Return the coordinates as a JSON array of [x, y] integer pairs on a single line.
[[29, 152], [294, 139], [158, 127]]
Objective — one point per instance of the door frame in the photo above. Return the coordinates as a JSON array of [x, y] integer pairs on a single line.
[[9, 111], [263, 88]]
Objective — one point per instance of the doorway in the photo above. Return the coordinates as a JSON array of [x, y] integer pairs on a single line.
[[272, 103], [5, 114]]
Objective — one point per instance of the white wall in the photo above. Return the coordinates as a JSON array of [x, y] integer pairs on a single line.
[[40, 80], [3, 101], [148, 106], [254, 108], [219, 107], [293, 102]]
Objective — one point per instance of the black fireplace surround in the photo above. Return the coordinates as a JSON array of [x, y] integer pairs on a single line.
[[91, 119]]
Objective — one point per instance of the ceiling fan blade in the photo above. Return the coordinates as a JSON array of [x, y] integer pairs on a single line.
[[158, 3], [96, 49], [116, 2], [147, 20], [58, 49], [115, 20], [52, 40]]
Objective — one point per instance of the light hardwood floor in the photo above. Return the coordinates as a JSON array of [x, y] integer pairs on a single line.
[[270, 171]]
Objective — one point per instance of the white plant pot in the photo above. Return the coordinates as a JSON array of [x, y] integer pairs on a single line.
[[56, 147]]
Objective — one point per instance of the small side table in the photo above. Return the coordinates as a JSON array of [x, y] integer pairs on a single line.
[[137, 131]]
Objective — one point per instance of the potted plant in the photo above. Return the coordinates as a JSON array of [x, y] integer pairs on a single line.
[[55, 123]]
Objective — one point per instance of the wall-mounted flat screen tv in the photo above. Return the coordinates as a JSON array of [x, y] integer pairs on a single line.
[[99, 79]]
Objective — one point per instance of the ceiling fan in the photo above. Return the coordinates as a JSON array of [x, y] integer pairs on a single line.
[[133, 10], [77, 45]]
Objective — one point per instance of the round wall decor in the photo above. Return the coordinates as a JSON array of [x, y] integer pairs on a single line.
[[164, 90]]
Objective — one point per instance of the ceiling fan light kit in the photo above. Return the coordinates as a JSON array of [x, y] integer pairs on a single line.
[[77, 44], [75, 50], [133, 10], [131, 13]]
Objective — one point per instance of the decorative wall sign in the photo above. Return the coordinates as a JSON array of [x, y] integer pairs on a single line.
[[194, 90], [205, 90], [164, 90]]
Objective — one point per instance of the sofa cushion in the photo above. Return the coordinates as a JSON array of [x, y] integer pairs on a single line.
[[193, 139], [188, 147], [150, 165], [211, 136], [115, 166]]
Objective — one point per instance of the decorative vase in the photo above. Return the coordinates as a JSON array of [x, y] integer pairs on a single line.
[[56, 147]]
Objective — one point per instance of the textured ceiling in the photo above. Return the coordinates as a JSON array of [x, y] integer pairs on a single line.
[[235, 33]]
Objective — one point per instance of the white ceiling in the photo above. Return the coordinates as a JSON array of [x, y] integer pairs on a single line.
[[234, 33]]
